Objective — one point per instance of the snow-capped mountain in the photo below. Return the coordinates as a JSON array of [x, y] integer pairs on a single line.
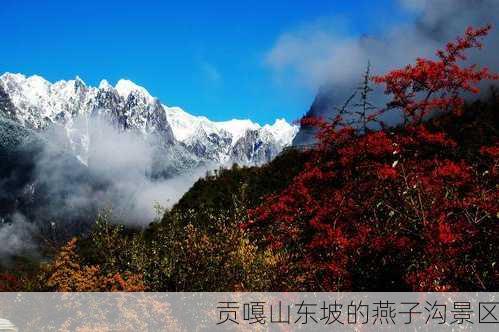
[[234, 140], [181, 139]]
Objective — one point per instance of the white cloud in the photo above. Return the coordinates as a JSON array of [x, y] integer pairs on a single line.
[[325, 52], [316, 54]]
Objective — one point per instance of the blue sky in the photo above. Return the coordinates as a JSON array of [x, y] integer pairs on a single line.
[[208, 57]]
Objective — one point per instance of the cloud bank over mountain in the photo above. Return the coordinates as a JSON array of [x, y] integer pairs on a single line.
[[322, 52], [72, 150]]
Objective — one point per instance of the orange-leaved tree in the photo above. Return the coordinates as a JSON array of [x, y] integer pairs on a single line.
[[67, 274]]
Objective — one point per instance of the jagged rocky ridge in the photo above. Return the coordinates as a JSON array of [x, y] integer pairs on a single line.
[[68, 151], [183, 140]]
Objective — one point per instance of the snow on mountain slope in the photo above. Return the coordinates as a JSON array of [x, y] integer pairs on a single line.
[[185, 125], [38, 102], [282, 131], [237, 127], [236, 140], [73, 106], [126, 87]]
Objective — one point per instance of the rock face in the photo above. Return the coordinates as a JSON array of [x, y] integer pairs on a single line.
[[183, 140], [324, 105], [254, 145]]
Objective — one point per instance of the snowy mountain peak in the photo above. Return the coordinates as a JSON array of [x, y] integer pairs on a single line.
[[282, 131], [79, 81], [185, 126], [104, 85], [238, 127], [126, 87], [33, 85], [38, 104], [12, 78]]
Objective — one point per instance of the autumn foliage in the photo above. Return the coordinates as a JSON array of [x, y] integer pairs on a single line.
[[9, 282], [398, 208], [67, 274], [437, 85]]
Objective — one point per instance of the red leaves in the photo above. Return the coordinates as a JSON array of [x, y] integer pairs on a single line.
[[436, 85], [455, 173], [445, 234], [471, 39], [402, 195], [9, 283], [377, 144], [490, 151], [434, 138], [386, 172]]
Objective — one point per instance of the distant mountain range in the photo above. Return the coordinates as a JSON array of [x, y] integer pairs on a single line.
[[68, 150], [184, 140]]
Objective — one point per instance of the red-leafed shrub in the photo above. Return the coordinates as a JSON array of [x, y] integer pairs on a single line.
[[9, 283], [399, 208]]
